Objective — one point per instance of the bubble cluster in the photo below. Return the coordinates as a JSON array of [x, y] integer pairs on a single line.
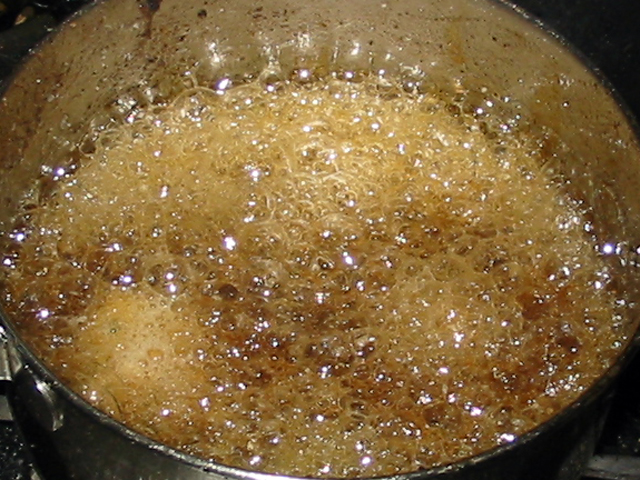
[[331, 276]]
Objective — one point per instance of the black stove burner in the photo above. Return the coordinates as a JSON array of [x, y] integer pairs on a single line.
[[14, 463], [606, 32]]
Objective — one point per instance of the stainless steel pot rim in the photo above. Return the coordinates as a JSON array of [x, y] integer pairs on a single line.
[[564, 416]]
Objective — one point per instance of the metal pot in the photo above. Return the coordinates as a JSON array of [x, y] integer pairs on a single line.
[[117, 48]]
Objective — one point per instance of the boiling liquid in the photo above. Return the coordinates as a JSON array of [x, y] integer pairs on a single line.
[[329, 278]]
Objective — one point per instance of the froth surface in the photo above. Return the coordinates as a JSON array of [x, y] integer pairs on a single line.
[[323, 278]]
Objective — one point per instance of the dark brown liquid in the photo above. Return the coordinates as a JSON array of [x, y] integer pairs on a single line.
[[321, 280]]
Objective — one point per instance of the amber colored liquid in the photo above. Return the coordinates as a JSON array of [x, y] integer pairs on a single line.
[[321, 279]]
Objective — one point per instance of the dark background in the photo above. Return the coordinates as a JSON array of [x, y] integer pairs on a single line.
[[606, 32]]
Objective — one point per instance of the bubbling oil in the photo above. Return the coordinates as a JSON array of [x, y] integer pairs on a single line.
[[327, 277]]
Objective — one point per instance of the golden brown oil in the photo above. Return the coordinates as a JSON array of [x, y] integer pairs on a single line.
[[318, 278]]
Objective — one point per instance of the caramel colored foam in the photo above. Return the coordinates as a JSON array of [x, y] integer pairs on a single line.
[[322, 279]]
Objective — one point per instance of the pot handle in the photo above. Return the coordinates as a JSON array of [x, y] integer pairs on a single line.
[[613, 467], [38, 399], [36, 395], [5, 372], [5, 376]]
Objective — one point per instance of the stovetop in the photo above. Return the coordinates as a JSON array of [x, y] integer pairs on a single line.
[[606, 32]]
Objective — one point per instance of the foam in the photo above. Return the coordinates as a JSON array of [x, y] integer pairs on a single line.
[[323, 279]]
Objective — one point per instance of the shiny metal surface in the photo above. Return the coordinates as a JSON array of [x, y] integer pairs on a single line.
[[5, 369], [613, 467]]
